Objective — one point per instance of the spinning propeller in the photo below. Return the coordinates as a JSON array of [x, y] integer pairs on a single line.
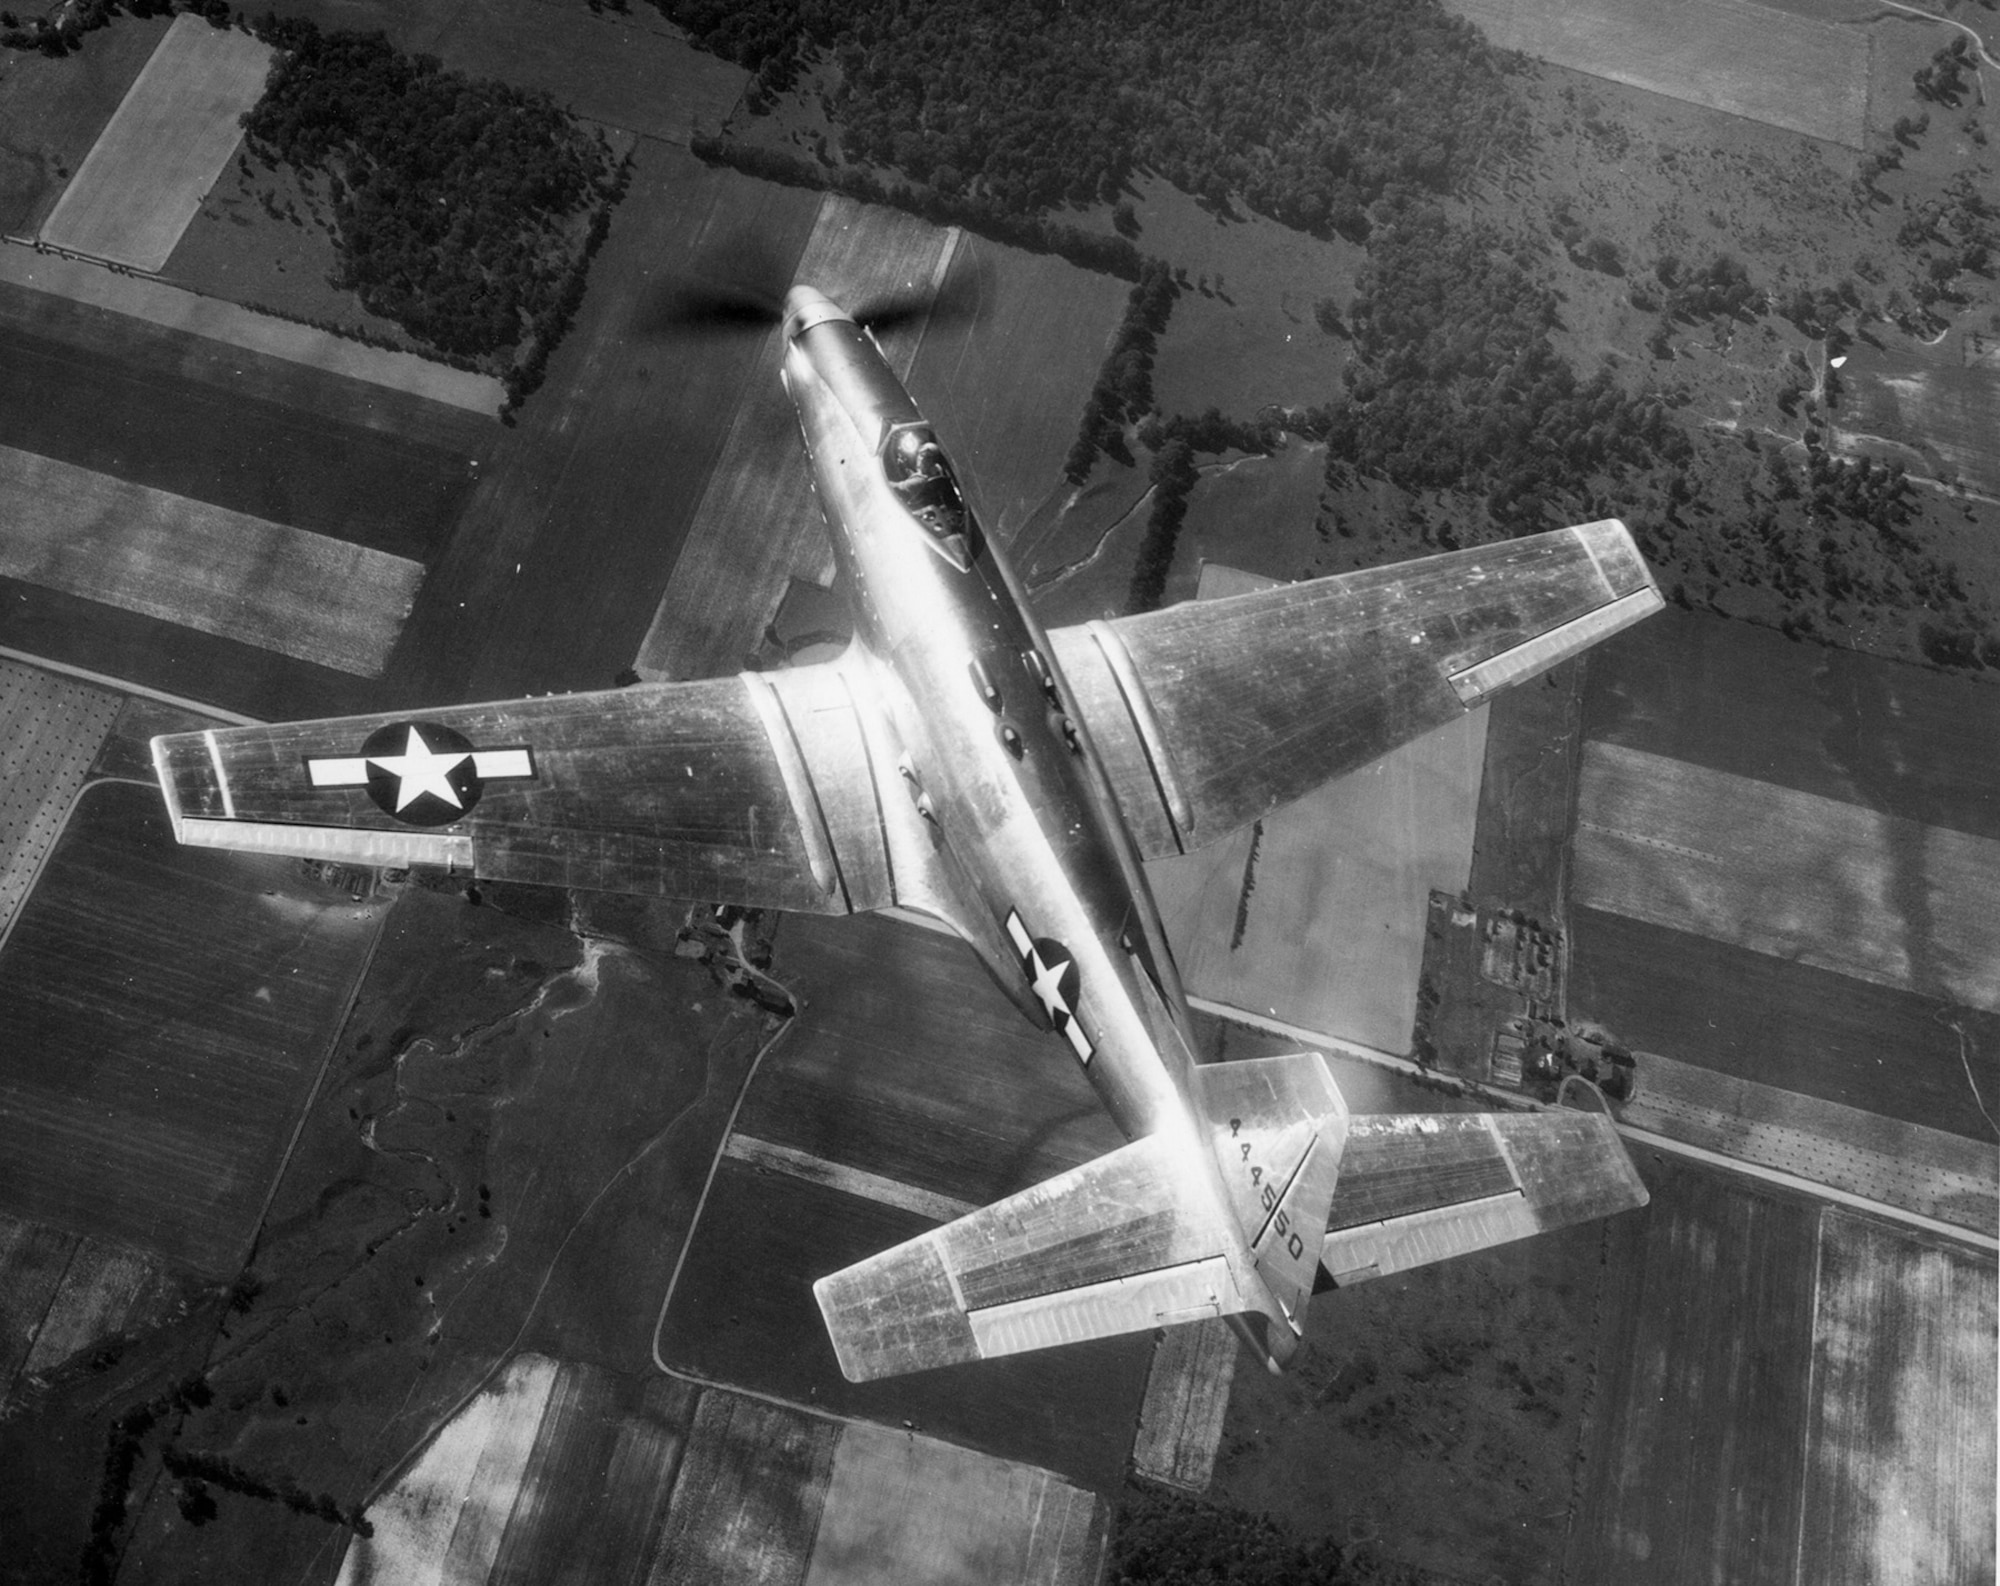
[[742, 286]]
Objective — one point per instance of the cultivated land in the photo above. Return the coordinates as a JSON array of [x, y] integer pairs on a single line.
[[1790, 71], [1695, 1456], [628, 68], [161, 151], [1004, 384], [1949, 1177], [50, 729], [507, 1116], [205, 567], [174, 309], [727, 585], [908, 1064], [51, 112], [61, 1292], [1913, 743], [1789, 874], [1790, 1394], [1726, 704], [1316, 914], [1901, 1476], [593, 495], [1786, 1025], [95, 405], [150, 1094]]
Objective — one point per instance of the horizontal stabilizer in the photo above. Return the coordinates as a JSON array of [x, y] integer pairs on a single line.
[[1421, 1188], [1124, 1243]]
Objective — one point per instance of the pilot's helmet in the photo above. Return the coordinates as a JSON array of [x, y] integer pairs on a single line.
[[907, 454]]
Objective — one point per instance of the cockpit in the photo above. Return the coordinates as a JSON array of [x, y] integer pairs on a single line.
[[921, 477]]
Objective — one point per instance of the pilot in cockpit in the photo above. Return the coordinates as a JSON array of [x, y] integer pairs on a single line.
[[917, 470]]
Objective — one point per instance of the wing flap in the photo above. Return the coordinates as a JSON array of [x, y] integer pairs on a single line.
[[1421, 1188], [1211, 714], [741, 790], [1126, 1242]]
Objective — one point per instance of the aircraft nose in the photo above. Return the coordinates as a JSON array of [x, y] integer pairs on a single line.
[[807, 306]]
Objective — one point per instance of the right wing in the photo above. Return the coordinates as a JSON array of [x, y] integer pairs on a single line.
[[1211, 714], [758, 789], [1422, 1187]]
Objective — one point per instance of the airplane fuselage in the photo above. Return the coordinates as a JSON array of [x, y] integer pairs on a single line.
[[1048, 888]]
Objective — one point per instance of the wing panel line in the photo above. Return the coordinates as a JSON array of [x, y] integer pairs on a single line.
[[799, 789], [1140, 705]]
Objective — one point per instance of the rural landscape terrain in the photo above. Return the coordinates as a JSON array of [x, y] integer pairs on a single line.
[[362, 1226]]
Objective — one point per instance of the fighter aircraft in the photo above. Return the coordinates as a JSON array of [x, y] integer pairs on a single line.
[[959, 760]]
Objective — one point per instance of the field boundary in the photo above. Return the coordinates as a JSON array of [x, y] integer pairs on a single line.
[[163, 147], [203, 567], [1716, 54], [175, 308]]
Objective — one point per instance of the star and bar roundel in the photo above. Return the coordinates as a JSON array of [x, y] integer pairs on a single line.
[[420, 772], [1054, 979]]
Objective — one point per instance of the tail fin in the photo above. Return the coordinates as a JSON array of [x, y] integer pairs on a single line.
[[1278, 1127]]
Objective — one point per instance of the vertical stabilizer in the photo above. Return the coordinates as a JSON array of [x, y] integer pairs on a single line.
[[1278, 1127]]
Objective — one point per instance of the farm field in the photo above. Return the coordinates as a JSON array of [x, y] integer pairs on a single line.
[[1789, 1026], [61, 1293], [1316, 914], [742, 1313], [1695, 1454], [1928, 1171], [149, 1094], [51, 728], [1916, 744], [52, 110], [593, 493], [174, 309], [908, 1063], [925, 1510], [503, 1157], [1005, 384], [1901, 1476], [626, 68], [149, 352], [1802, 878], [757, 526], [204, 567], [163, 147], [560, 1471], [1933, 406], [182, 434], [262, 237], [1772, 66], [1434, 1413]]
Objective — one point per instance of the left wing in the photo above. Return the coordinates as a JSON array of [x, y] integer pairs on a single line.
[[756, 789], [1211, 714]]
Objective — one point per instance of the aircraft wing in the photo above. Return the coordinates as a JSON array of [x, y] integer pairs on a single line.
[[754, 789], [1422, 1187], [1211, 714]]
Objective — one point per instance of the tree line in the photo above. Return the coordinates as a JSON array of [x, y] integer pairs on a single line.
[[452, 196], [1088, 250], [1307, 112]]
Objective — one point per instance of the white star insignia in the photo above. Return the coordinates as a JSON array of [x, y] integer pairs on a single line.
[[418, 770], [1046, 982]]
